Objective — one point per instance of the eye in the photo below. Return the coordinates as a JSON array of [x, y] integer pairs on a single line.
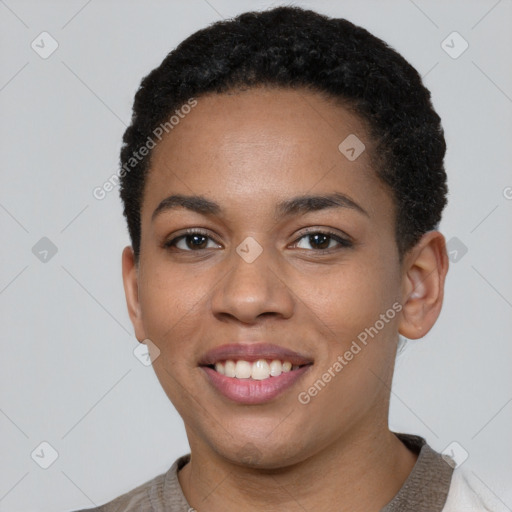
[[192, 240], [322, 241], [196, 240]]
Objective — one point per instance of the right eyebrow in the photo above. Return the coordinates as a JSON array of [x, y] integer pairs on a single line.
[[197, 204]]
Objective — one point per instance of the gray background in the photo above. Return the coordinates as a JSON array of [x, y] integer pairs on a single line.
[[68, 373]]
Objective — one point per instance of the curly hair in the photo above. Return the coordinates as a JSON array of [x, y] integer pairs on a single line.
[[291, 47]]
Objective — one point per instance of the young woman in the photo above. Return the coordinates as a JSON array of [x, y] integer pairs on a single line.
[[282, 182]]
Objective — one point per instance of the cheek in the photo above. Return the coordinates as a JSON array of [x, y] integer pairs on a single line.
[[352, 298], [359, 307], [170, 302]]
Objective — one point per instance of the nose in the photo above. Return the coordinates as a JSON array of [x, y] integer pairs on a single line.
[[251, 290]]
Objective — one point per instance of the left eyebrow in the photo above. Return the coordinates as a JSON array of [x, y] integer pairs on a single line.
[[299, 205], [312, 203]]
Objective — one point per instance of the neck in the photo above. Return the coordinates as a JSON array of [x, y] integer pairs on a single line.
[[361, 472]]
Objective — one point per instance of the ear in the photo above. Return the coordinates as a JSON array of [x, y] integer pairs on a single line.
[[131, 291], [424, 272]]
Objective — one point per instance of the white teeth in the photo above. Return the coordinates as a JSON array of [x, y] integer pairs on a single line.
[[257, 370], [260, 370], [243, 369], [229, 368], [276, 368]]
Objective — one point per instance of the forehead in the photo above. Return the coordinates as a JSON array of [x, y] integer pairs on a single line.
[[263, 144]]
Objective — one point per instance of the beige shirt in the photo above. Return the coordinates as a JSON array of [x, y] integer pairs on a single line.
[[425, 489]]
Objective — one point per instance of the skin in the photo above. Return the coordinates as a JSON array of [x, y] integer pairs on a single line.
[[247, 151]]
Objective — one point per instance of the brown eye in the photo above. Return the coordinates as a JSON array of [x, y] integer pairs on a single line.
[[320, 241], [196, 241], [192, 241]]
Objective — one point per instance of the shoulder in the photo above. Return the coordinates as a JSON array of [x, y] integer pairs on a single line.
[[158, 493], [469, 493], [135, 500]]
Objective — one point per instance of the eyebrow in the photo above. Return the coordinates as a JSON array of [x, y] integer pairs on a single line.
[[296, 205]]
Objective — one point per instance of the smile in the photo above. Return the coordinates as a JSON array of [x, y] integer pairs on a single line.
[[258, 370], [250, 391], [253, 373]]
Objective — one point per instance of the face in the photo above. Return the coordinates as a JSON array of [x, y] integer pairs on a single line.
[[255, 263]]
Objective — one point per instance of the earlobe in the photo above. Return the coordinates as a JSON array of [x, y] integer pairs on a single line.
[[131, 291], [424, 272]]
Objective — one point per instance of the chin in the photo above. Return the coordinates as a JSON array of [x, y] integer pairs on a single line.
[[263, 454]]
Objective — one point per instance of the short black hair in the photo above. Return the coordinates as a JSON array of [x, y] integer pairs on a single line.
[[291, 47]]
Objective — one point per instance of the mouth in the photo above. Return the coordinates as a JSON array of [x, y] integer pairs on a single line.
[[253, 373], [261, 369]]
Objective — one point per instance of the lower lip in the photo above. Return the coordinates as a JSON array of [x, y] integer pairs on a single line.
[[252, 392]]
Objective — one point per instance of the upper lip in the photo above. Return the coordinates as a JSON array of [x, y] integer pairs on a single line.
[[252, 352]]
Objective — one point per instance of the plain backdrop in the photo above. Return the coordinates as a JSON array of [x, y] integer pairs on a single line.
[[68, 373]]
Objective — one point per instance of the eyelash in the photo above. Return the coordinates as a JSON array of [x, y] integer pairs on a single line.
[[343, 242]]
